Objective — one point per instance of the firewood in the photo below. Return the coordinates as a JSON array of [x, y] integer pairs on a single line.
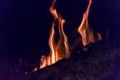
[[96, 61]]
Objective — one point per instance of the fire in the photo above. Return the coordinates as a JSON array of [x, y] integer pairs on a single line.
[[58, 49], [53, 56], [84, 29], [99, 36]]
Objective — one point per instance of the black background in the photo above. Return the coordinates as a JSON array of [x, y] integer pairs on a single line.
[[25, 25]]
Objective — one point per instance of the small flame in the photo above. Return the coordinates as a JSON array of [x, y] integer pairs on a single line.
[[43, 61], [35, 69], [99, 36]]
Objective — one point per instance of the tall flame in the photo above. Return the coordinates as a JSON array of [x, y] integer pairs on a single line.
[[51, 44], [59, 49], [84, 29]]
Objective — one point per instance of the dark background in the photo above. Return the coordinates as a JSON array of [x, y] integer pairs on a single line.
[[25, 26]]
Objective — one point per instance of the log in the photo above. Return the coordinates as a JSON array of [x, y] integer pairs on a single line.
[[96, 61]]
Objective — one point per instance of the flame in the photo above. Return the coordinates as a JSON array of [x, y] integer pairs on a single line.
[[43, 61], [59, 49], [84, 30], [99, 36], [35, 69], [51, 44], [65, 40]]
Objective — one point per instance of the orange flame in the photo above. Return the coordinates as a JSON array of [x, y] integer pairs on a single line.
[[84, 29], [43, 61], [52, 44], [99, 36], [60, 49]]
